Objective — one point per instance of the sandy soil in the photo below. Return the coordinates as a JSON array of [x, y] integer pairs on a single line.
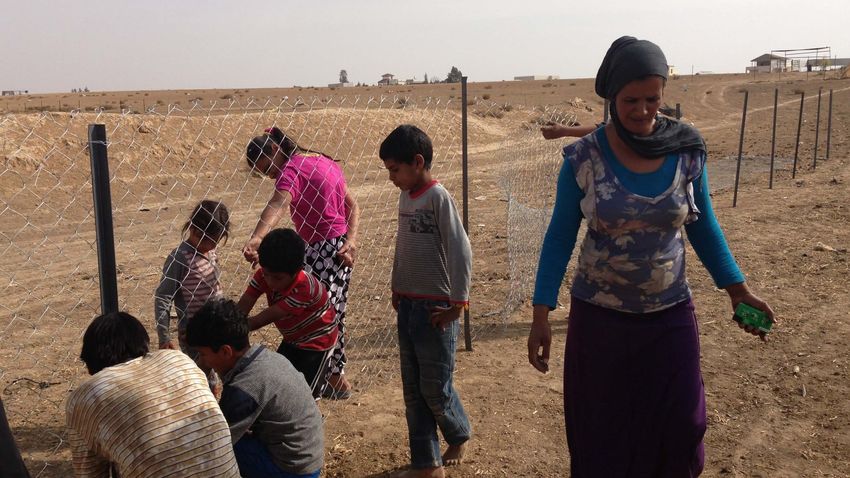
[[778, 408]]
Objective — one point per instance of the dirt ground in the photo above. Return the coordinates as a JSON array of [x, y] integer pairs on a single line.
[[777, 408]]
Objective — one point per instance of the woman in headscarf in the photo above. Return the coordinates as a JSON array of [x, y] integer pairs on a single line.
[[634, 401]]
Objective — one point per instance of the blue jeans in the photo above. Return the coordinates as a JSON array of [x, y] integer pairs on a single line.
[[255, 461], [427, 364]]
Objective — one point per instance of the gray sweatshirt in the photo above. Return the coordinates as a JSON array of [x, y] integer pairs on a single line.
[[264, 394]]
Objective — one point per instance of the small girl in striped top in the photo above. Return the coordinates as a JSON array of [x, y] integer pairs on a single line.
[[190, 276]]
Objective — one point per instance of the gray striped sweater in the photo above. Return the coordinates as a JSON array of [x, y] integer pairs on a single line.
[[433, 258]]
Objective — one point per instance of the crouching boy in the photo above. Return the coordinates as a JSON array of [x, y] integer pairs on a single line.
[[143, 413], [275, 425]]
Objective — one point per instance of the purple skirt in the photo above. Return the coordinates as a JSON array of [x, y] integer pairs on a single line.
[[634, 400]]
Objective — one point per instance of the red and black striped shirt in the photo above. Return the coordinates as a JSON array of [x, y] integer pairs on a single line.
[[309, 320]]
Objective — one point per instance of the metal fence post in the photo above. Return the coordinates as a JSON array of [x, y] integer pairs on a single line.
[[829, 124], [103, 219], [773, 136], [605, 111], [740, 149], [797, 143], [678, 111], [817, 132], [467, 332]]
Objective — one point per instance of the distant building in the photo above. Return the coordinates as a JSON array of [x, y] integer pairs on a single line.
[[340, 85], [770, 63], [14, 92], [387, 79], [537, 77], [671, 71]]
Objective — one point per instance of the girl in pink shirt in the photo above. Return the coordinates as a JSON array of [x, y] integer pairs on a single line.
[[312, 186]]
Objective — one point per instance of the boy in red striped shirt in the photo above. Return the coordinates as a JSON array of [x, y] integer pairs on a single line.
[[298, 305]]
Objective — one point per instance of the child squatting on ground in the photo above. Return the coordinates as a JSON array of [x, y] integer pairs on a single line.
[[430, 286], [298, 305], [275, 425], [141, 413], [190, 277]]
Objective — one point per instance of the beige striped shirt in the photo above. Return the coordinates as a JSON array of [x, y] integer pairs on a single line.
[[152, 416]]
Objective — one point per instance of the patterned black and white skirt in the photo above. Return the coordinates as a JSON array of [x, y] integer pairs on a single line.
[[321, 261]]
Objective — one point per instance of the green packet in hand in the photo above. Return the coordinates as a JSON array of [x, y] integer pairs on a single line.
[[749, 315]]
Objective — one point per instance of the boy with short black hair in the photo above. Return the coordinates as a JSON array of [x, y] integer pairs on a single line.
[[143, 413], [275, 425], [298, 304], [430, 286]]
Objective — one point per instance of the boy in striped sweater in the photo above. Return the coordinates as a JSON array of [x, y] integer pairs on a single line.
[[298, 305], [430, 286], [143, 413]]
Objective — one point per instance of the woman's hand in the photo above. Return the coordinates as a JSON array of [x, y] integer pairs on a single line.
[[347, 253], [540, 339], [250, 250], [740, 293]]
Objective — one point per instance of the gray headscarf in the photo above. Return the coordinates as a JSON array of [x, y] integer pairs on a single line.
[[629, 59]]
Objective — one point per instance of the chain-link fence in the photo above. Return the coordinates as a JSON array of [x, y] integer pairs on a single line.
[[162, 162]]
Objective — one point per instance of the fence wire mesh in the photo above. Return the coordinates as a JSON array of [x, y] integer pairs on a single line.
[[165, 160]]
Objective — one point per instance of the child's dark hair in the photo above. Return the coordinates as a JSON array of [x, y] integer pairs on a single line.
[[404, 143], [111, 339], [263, 145], [212, 219], [219, 322], [282, 250]]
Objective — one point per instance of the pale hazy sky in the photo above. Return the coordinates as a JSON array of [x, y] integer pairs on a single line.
[[53, 46]]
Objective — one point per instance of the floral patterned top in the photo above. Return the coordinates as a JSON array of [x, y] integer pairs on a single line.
[[632, 258]]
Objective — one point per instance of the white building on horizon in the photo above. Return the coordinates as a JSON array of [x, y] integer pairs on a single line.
[[536, 77], [769, 63], [388, 79]]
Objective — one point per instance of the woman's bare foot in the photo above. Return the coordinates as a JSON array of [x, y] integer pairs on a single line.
[[436, 472], [454, 455]]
